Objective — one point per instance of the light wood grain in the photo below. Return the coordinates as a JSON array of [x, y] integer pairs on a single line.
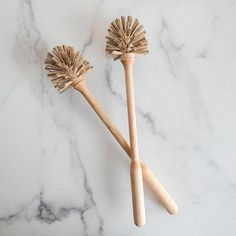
[[135, 168], [150, 179], [126, 37], [62, 64]]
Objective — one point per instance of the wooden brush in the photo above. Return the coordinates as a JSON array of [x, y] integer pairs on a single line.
[[67, 68], [126, 38]]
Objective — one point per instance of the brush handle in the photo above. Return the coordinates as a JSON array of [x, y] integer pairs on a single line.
[[158, 190], [152, 182], [135, 168]]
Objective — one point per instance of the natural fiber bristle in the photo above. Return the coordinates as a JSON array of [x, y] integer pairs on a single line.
[[66, 67], [126, 35]]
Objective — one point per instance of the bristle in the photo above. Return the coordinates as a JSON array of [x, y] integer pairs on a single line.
[[126, 35], [66, 67]]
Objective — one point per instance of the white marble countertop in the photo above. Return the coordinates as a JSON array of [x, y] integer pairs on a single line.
[[62, 173]]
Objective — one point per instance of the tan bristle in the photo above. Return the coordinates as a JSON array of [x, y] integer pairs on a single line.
[[66, 67], [126, 35]]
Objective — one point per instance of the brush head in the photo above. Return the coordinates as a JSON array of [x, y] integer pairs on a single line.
[[66, 67], [126, 35]]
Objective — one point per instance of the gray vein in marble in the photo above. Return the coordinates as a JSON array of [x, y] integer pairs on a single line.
[[212, 163], [108, 71], [214, 23], [146, 116], [16, 215], [200, 110], [29, 49], [29, 41], [91, 35], [8, 94], [183, 74], [28, 34], [33, 29], [233, 185], [46, 214], [90, 203], [203, 54], [171, 49]]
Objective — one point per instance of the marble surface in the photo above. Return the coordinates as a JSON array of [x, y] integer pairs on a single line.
[[62, 173]]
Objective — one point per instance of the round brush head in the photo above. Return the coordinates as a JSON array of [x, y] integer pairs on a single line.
[[126, 35], [66, 67]]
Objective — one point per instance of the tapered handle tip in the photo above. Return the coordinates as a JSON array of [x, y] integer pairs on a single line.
[[137, 194], [173, 209], [140, 222], [159, 190]]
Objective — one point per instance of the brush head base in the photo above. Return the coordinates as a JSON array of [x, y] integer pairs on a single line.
[[126, 35], [66, 67]]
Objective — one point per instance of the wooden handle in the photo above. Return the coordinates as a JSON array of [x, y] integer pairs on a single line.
[[82, 88], [158, 189], [148, 176], [128, 60], [136, 173], [137, 193]]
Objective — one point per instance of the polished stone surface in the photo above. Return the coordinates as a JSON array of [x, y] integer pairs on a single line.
[[62, 173]]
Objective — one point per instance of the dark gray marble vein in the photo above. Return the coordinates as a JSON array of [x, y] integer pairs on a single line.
[[108, 71], [47, 214], [29, 52], [170, 50], [10, 219], [203, 54], [93, 24], [90, 202], [182, 73], [8, 94], [146, 116], [30, 49]]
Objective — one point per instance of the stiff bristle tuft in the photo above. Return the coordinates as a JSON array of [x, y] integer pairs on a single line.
[[126, 35], [66, 67]]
